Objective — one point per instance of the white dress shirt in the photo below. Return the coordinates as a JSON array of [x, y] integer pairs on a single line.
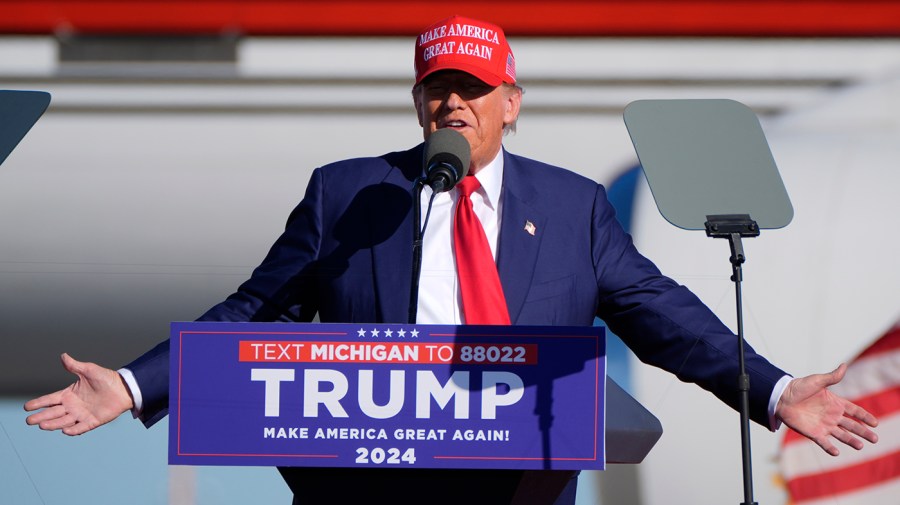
[[440, 300]]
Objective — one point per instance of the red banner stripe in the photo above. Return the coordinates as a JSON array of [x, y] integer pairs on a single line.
[[407, 17], [387, 352], [847, 479], [889, 342]]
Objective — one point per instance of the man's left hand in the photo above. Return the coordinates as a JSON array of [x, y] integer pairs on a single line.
[[809, 408]]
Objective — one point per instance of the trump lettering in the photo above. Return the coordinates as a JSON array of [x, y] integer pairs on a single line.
[[325, 391]]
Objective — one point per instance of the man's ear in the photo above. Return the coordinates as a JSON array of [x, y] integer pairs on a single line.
[[513, 104], [417, 103]]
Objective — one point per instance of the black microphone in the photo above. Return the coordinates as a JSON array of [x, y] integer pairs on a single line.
[[447, 158]]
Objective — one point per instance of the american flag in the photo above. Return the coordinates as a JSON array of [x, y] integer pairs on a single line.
[[867, 477]]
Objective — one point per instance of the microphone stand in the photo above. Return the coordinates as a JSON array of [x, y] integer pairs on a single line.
[[446, 161], [418, 233], [733, 227]]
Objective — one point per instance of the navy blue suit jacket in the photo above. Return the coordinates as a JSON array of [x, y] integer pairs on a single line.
[[346, 255]]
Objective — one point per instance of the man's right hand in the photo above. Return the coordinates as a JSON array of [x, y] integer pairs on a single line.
[[97, 396]]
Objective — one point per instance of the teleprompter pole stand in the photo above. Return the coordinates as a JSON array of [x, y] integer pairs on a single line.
[[734, 227]]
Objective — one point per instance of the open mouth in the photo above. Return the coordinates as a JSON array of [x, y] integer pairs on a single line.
[[455, 124]]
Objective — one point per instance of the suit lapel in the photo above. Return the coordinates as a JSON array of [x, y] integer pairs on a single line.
[[392, 258], [518, 247]]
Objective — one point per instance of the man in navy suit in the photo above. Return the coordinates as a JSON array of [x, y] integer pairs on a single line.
[[561, 259]]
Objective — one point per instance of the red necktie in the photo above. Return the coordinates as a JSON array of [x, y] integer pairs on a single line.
[[482, 296]]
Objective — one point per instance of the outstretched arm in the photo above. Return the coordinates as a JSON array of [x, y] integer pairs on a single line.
[[809, 408], [96, 397]]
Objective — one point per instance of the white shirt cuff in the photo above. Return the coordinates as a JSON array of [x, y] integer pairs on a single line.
[[136, 397], [780, 386]]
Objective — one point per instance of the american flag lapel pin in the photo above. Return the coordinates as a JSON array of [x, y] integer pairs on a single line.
[[530, 228]]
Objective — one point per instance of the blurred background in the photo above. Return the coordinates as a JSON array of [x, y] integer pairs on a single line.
[[181, 134]]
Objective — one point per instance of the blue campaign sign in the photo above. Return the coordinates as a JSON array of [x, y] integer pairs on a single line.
[[387, 395]]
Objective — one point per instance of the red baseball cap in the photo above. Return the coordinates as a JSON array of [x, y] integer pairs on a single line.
[[472, 46]]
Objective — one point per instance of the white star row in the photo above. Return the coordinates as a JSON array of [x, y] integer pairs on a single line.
[[388, 333]]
